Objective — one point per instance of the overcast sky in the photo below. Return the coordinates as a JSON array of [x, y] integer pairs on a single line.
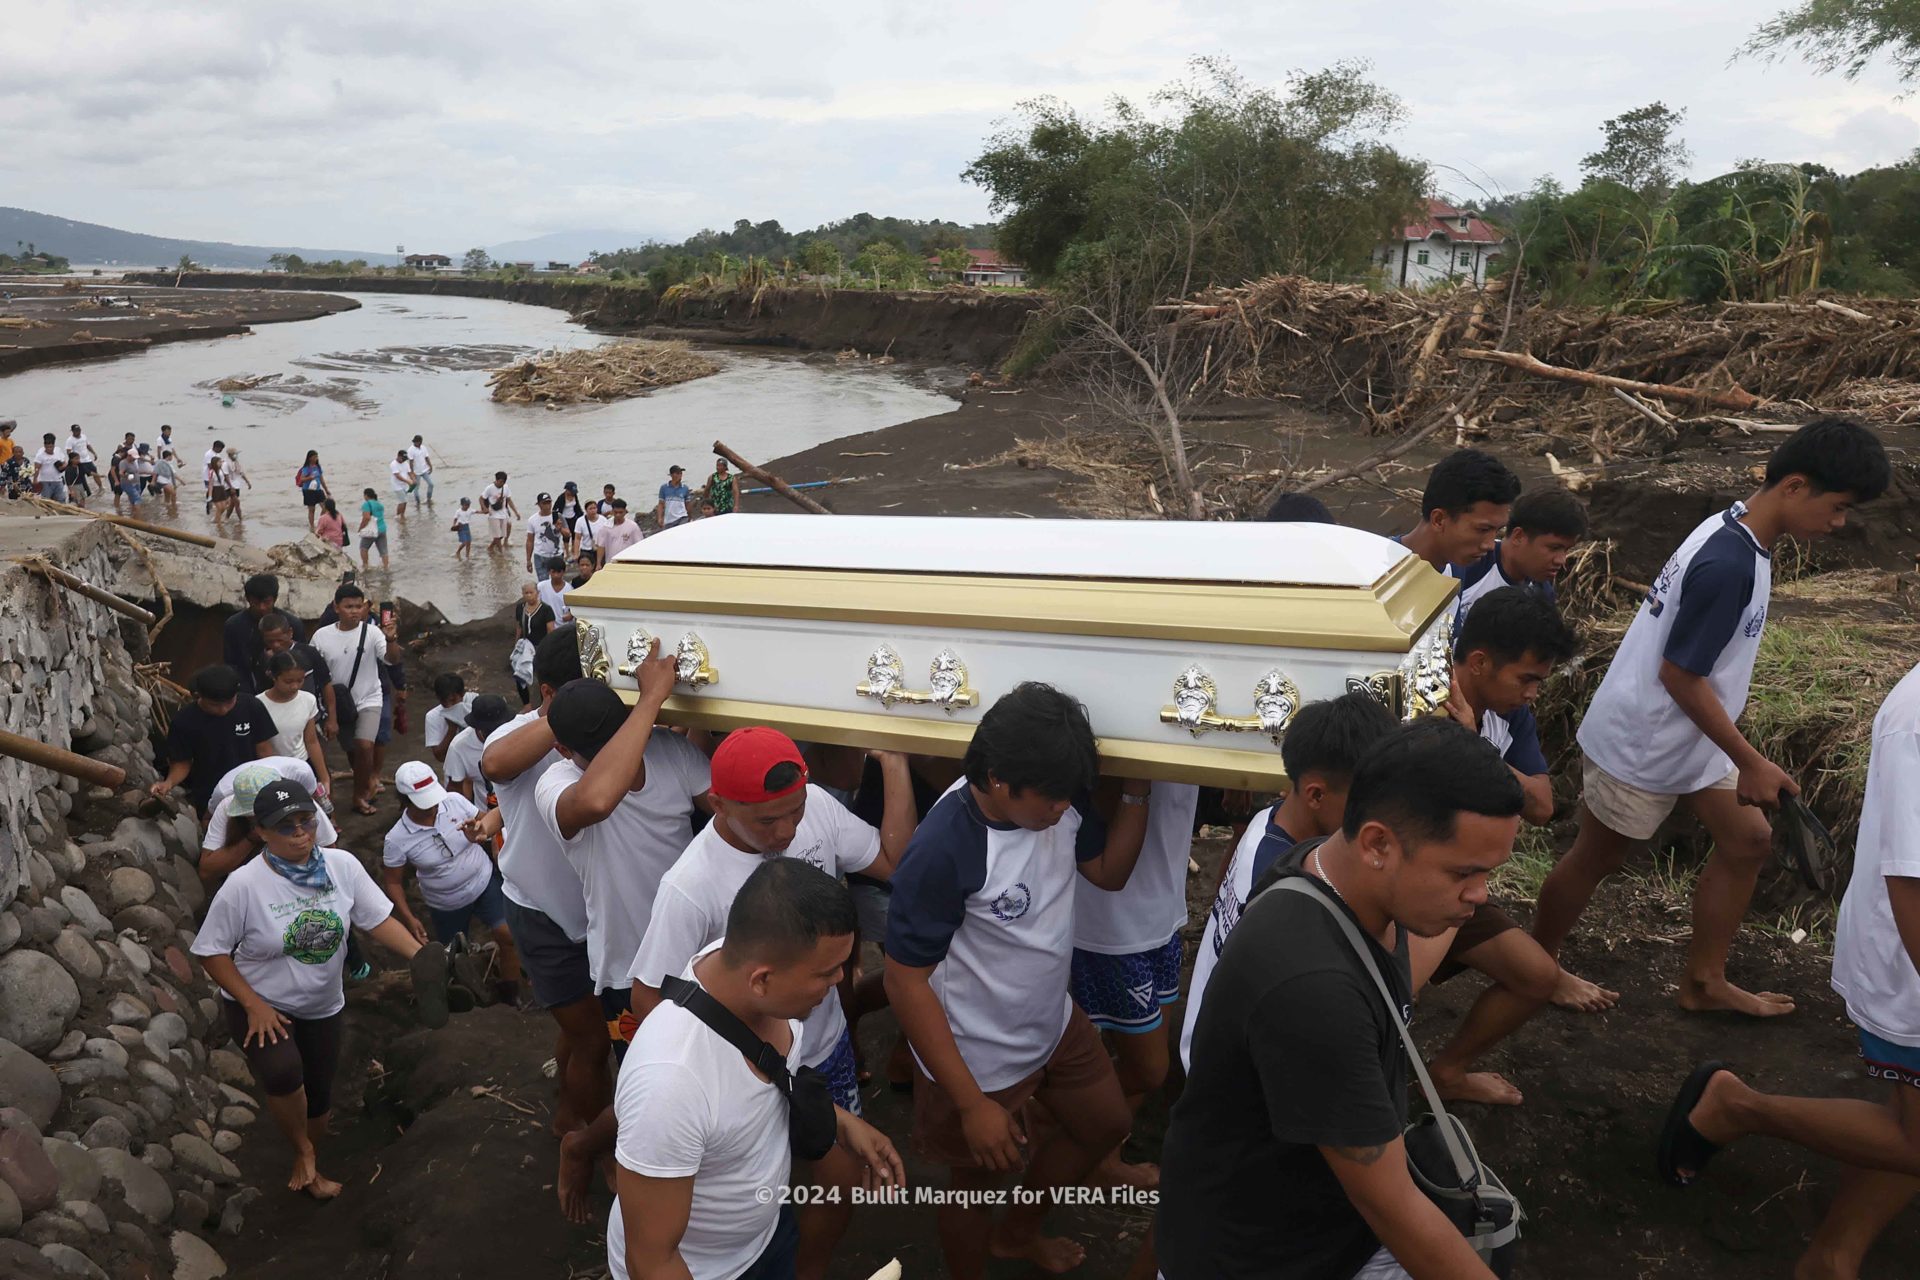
[[364, 123]]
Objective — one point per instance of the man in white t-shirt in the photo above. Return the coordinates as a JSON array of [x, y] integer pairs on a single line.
[[231, 837], [1662, 726], [617, 533], [449, 715], [501, 511], [444, 838], [621, 802], [545, 537], [1876, 970], [764, 809], [354, 649], [553, 589], [49, 470], [465, 748], [704, 1138], [420, 460], [979, 953]]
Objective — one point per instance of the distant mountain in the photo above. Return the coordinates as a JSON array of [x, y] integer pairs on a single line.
[[88, 243], [568, 246]]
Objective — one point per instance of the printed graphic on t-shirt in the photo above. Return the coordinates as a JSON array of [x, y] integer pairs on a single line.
[[313, 935], [1013, 903]]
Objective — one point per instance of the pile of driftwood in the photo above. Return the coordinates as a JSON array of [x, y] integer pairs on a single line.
[[1622, 380], [612, 372]]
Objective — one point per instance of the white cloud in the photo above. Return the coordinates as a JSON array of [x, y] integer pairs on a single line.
[[362, 124]]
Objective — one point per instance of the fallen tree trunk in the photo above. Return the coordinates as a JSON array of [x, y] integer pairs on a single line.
[[97, 772], [1736, 399], [55, 574], [772, 481]]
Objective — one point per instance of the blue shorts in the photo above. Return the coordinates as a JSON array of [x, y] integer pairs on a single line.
[[1894, 1063], [490, 906], [384, 734], [843, 1075], [555, 965], [1124, 993], [465, 534]]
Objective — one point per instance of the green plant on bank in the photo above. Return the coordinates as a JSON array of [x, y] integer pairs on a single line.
[[1520, 877]]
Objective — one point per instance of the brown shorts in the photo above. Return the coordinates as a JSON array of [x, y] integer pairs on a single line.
[[1079, 1061], [1488, 923]]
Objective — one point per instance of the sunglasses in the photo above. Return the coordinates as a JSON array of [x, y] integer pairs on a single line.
[[301, 827]]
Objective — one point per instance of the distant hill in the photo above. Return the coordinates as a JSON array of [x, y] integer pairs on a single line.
[[88, 243], [568, 246]]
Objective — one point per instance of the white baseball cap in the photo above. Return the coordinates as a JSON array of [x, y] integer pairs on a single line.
[[415, 781]]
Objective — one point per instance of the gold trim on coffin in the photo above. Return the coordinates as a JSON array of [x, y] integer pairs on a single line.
[[1236, 770], [1383, 617]]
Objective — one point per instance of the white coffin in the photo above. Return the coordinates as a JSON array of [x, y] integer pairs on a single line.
[[1191, 644]]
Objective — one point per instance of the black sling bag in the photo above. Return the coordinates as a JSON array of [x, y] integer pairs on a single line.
[[812, 1124]]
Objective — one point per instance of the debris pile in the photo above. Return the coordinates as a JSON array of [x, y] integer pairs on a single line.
[[612, 372]]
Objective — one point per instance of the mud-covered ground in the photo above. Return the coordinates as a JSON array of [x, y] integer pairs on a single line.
[[444, 1137]]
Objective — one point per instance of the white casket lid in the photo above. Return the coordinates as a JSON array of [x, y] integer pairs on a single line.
[[1313, 555]]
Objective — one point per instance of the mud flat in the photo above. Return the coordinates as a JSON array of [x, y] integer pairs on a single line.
[[43, 323]]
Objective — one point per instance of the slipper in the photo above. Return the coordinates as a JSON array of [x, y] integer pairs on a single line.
[[366, 807], [1814, 854], [429, 970], [1681, 1145]]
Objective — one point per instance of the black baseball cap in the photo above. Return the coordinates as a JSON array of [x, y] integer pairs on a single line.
[[585, 715], [545, 497], [280, 800], [675, 467], [489, 712]]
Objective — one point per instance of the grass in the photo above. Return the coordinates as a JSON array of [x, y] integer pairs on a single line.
[[1520, 877]]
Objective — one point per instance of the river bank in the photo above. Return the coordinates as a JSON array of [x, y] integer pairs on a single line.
[[44, 323]]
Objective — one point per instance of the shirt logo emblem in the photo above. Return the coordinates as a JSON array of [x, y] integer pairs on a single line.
[[1012, 904], [313, 936]]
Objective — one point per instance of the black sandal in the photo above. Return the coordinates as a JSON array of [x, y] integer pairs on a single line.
[[1681, 1146]]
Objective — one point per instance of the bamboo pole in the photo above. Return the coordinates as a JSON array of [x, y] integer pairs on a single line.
[[97, 772], [1737, 399], [772, 481], [125, 522], [52, 573]]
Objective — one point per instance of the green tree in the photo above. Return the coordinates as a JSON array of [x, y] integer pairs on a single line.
[[1845, 35], [186, 262], [1643, 152], [476, 261], [820, 258], [955, 261], [293, 263]]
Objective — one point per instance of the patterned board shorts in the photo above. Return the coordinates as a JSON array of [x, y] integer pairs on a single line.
[[1124, 993], [1894, 1063], [843, 1075]]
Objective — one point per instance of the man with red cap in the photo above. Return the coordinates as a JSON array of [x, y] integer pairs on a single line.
[[764, 808]]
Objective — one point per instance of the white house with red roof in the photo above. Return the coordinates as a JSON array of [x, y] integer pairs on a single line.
[[1449, 245], [988, 268]]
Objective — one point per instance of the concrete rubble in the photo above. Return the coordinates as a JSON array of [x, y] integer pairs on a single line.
[[122, 1100]]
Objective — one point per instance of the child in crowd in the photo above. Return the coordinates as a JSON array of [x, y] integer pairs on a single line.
[[463, 530]]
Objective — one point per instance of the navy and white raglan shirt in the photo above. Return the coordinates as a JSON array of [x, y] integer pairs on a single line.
[[1488, 574], [1516, 736], [989, 906], [1263, 844], [1704, 613]]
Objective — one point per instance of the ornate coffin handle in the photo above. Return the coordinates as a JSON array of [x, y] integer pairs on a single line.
[[692, 663], [947, 680], [591, 638], [1196, 699]]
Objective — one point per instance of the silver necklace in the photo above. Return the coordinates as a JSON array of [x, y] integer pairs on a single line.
[[1320, 870]]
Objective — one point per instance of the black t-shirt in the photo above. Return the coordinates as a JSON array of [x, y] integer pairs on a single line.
[[217, 744], [535, 625], [243, 650], [1293, 1050]]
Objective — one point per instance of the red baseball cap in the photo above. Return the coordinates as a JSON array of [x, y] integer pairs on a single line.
[[742, 762]]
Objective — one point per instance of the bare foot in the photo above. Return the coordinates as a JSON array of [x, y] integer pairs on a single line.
[[323, 1188], [1576, 993], [1115, 1172], [575, 1180], [1478, 1086], [1817, 1264], [1721, 995], [306, 1177], [1053, 1254], [1711, 1117]]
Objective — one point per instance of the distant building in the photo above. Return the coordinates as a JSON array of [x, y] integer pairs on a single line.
[[559, 266], [429, 261], [523, 266], [589, 268], [1449, 244], [988, 268]]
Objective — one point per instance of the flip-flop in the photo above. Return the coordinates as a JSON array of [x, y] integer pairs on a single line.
[[1681, 1146], [1815, 855], [429, 970]]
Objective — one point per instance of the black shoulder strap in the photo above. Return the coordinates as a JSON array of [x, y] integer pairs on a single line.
[[723, 1023], [359, 652]]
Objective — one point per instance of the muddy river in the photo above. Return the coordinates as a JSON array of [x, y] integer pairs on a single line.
[[359, 385]]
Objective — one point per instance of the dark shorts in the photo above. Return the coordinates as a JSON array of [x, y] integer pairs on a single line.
[[490, 907], [782, 1254], [1124, 993], [219, 494], [843, 1075], [384, 734], [1079, 1061], [1488, 923], [305, 1060], [617, 1004], [312, 497], [555, 965], [1894, 1063]]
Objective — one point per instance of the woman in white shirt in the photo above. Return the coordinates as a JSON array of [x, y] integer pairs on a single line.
[[275, 941], [296, 716]]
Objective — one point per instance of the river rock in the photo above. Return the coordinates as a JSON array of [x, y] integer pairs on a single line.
[[9, 931], [79, 1176], [123, 1010], [191, 1210], [138, 958], [186, 882], [21, 1261], [145, 1191], [128, 1038], [195, 1259], [75, 952], [233, 1117], [11, 1216], [85, 1071], [42, 924], [145, 921], [53, 1227], [15, 1118], [84, 913], [24, 1167], [42, 998], [69, 1046], [197, 1154], [230, 1068], [86, 1213], [157, 1157], [226, 1142], [133, 1238], [106, 1132], [69, 1261], [128, 887], [155, 1074], [28, 1083], [107, 1051], [144, 837], [41, 879], [67, 858], [170, 1027]]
